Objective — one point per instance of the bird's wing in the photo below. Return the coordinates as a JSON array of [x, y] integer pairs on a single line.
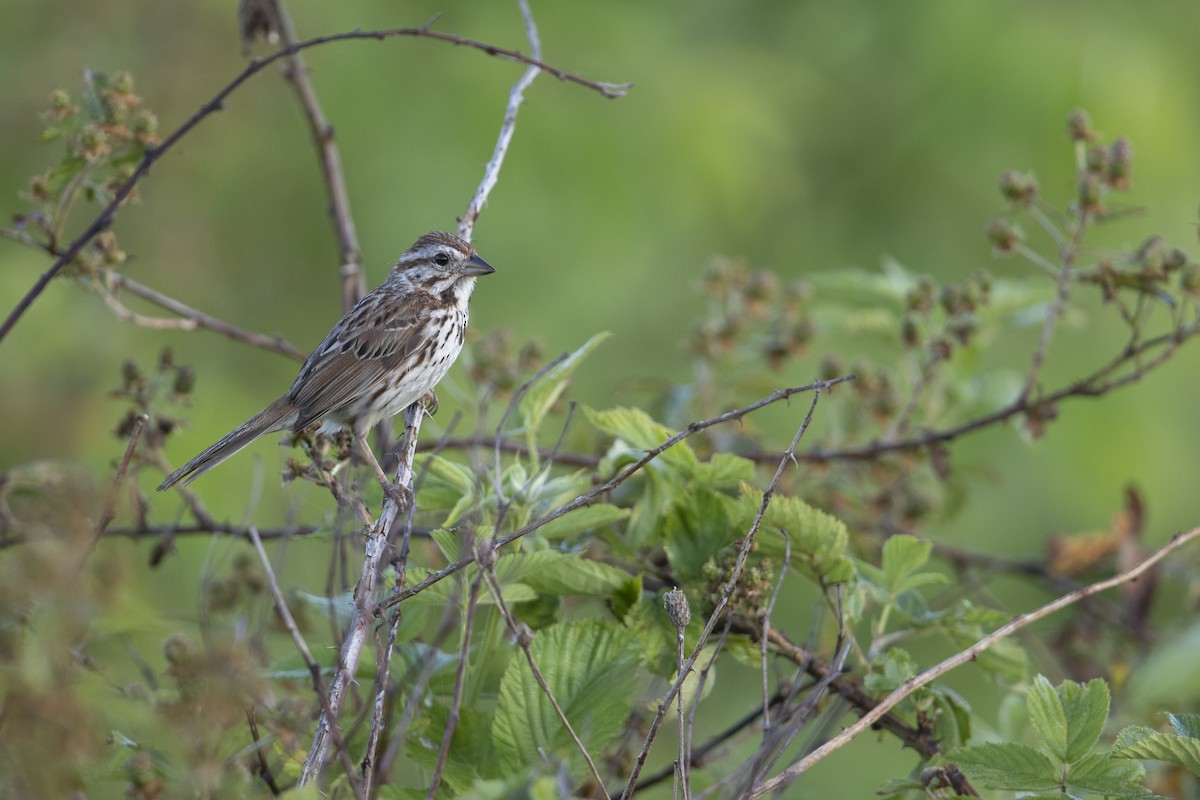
[[370, 341]]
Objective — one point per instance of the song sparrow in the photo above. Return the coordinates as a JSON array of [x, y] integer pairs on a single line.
[[385, 354]]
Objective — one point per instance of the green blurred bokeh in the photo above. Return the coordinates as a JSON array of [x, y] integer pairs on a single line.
[[807, 137]]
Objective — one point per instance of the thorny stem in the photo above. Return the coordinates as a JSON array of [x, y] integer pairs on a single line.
[[730, 586], [604, 488], [106, 216], [963, 657]]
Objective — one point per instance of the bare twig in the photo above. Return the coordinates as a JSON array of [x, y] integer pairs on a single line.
[[375, 545], [1062, 287], [354, 284], [964, 657], [191, 318], [460, 675], [314, 669], [110, 500], [264, 770], [516, 96], [730, 586], [106, 216]]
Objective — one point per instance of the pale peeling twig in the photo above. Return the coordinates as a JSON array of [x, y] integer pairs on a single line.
[[680, 614], [730, 586], [524, 638], [965, 657], [106, 216], [383, 658], [364, 607], [589, 497], [516, 96], [295, 71]]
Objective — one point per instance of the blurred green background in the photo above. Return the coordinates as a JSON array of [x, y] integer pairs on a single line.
[[808, 137]]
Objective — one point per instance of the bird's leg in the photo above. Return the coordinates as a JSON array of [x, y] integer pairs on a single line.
[[399, 493]]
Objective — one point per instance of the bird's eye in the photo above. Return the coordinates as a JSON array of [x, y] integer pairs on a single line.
[[441, 259]]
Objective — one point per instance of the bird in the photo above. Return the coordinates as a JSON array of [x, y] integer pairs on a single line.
[[388, 351]]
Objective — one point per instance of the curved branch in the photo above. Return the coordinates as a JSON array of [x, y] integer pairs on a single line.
[[152, 154]]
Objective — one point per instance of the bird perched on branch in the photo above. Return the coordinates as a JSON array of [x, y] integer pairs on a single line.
[[386, 353]]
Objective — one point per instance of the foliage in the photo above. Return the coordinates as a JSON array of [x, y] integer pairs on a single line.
[[522, 646]]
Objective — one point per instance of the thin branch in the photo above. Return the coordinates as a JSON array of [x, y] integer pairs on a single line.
[[460, 675], [364, 607], [354, 284], [604, 488], [110, 500], [1061, 290], [289, 622], [524, 639], [191, 317], [964, 657], [106, 216], [264, 771], [730, 586], [516, 96], [1094, 385]]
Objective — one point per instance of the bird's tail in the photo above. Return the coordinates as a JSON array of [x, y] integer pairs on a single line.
[[274, 417]]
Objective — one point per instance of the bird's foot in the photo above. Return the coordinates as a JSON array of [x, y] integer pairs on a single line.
[[398, 493], [430, 402]]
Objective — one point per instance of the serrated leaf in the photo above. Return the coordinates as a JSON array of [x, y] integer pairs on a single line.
[[449, 472], [903, 557], [581, 520], [544, 393], [448, 542], [818, 540], [694, 529], [1086, 709], [1048, 718], [585, 665], [1185, 725], [551, 572], [636, 432], [1106, 775], [890, 670], [723, 471], [1010, 766], [1141, 742]]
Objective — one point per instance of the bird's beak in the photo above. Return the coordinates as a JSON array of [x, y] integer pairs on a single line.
[[476, 266]]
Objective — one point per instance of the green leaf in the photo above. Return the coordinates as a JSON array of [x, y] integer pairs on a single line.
[[1138, 741], [723, 471], [557, 573], [1048, 718], [582, 520], [1014, 767], [889, 671], [1086, 709], [903, 557], [695, 528], [637, 433], [586, 666], [449, 472], [818, 540], [544, 392], [1185, 724], [1106, 775]]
